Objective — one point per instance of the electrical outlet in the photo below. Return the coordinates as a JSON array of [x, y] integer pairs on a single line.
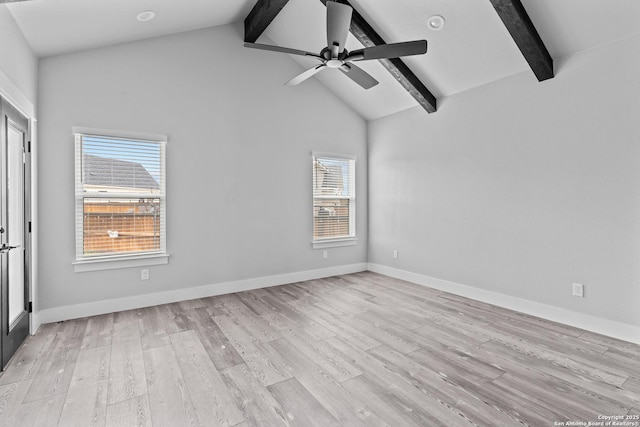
[[395, 254], [325, 254], [578, 290], [144, 274]]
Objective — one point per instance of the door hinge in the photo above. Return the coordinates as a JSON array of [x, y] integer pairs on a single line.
[[28, 146], [29, 226], [30, 307]]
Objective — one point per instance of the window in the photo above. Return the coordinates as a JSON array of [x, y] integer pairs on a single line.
[[334, 200], [120, 197]]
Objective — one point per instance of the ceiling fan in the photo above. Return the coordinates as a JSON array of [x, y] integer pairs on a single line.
[[336, 56]]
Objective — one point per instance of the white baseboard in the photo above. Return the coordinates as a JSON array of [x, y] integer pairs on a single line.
[[587, 322], [34, 323], [622, 331], [76, 311]]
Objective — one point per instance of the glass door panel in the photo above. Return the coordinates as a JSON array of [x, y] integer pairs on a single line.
[[15, 222]]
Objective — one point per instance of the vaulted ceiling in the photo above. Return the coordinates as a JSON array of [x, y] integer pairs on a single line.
[[477, 45]]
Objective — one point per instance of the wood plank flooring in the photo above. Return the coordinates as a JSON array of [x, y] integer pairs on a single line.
[[355, 350]]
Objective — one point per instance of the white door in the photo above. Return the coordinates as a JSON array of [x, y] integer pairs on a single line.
[[13, 249]]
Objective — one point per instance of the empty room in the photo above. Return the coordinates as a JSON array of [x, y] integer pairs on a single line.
[[319, 213]]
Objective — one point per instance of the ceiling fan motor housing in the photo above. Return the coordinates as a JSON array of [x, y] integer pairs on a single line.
[[327, 54]]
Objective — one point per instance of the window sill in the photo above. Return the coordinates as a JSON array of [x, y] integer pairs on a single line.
[[334, 243], [119, 262]]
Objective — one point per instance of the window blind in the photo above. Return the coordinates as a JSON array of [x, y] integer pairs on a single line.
[[333, 197], [120, 196]]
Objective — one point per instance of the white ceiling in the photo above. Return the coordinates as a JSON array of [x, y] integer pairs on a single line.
[[473, 49], [53, 27]]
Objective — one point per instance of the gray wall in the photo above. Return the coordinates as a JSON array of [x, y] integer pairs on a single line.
[[17, 61], [19, 68], [520, 187], [239, 165]]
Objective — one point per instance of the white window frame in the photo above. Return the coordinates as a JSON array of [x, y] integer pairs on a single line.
[[351, 239], [116, 261]]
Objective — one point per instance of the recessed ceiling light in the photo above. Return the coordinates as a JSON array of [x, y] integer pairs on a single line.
[[145, 16], [436, 22]]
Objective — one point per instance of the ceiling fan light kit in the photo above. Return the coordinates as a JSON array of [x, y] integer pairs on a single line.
[[335, 56]]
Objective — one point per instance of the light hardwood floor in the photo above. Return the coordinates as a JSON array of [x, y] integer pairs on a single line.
[[361, 349]]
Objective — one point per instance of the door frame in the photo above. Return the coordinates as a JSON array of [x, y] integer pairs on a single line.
[[12, 94], [15, 163]]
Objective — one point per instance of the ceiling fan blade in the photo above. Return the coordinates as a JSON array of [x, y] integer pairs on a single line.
[[359, 76], [338, 22], [392, 50], [280, 49], [305, 75]]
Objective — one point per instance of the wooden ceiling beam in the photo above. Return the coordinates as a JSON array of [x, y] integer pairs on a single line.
[[366, 35], [260, 17], [516, 19]]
